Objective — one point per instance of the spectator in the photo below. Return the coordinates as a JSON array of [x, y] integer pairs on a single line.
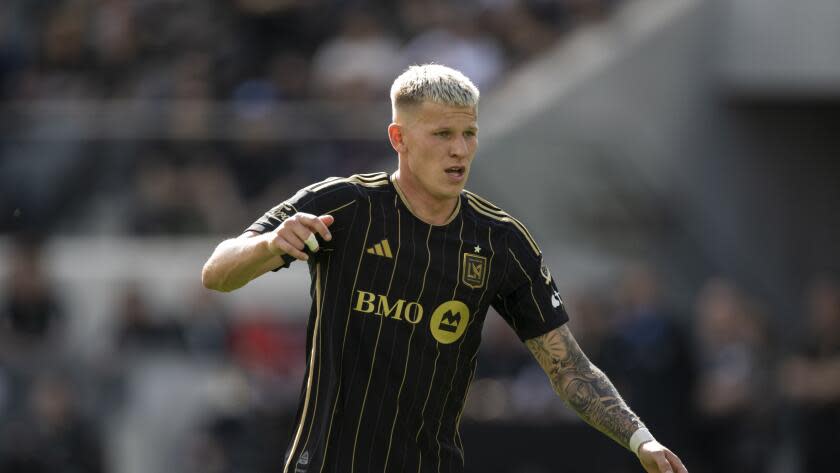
[[52, 435], [289, 72], [591, 322], [810, 379], [522, 33], [173, 196], [115, 42], [205, 326], [140, 330], [459, 42], [12, 54], [203, 182], [31, 313], [358, 63], [648, 357], [735, 430], [185, 57]]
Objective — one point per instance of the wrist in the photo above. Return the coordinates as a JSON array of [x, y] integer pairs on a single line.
[[268, 245], [639, 437]]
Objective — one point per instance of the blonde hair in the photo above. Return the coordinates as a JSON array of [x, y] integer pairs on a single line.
[[433, 83]]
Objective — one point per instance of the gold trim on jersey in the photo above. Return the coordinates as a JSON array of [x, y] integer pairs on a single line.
[[316, 184], [449, 322], [489, 210], [346, 326], [318, 382], [410, 209], [530, 284], [371, 175], [408, 350], [387, 249], [330, 212], [456, 438], [364, 399], [366, 180], [299, 430]]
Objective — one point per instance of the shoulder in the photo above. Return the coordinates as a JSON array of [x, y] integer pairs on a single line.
[[491, 214], [357, 183], [341, 188], [354, 183]]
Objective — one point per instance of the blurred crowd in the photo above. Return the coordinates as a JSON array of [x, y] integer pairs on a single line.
[[721, 382], [214, 97], [226, 87]]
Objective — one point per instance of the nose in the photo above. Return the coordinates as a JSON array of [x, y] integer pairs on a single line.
[[459, 147]]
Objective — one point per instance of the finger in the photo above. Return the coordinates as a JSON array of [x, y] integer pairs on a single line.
[[291, 249], [294, 233], [675, 462], [305, 235], [651, 467], [311, 242], [327, 219], [300, 229], [660, 463], [664, 466], [318, 225]]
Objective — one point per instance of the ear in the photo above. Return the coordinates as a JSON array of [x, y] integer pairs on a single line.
[[395, 135]]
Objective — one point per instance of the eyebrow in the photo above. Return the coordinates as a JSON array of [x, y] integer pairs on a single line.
[[450, 127]]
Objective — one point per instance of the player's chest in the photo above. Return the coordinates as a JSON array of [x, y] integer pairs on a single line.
[[438, 278]]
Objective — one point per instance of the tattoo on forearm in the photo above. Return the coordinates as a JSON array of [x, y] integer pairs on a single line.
[[584, 387]]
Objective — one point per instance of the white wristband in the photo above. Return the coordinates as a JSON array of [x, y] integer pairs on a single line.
[[638, 438]]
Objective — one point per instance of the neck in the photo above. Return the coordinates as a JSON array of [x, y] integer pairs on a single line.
[[428, 208]]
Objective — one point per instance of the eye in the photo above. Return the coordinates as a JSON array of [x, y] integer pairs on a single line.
[[443, 133], [469, 133]]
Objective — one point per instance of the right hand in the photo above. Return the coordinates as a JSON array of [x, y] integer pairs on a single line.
[[290, 237], [655, 458]]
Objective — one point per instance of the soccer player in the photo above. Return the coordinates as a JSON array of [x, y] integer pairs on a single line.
[[404, 268]]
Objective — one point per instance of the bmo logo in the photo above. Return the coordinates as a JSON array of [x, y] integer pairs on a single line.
[[448, 323]]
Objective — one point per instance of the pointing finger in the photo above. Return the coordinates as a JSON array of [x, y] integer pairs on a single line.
[[327, 219], [319, 225]]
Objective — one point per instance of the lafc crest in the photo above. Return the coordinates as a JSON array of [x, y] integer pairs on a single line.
[[474, 270]]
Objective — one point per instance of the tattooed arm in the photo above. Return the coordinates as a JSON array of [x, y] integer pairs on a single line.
[[588, 391], [584, 387]]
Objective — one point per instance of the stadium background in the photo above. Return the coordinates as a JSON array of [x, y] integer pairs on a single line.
[[676, 159]]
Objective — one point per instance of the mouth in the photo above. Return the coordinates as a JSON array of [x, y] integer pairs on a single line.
[[456, 172]]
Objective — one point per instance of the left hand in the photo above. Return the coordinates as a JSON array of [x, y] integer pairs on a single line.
[[655, 458]]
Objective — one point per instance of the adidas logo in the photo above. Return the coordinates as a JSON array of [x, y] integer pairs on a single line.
[[381, 249]]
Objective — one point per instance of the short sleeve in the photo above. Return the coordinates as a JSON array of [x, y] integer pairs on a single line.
[[528, 298], [325, 197]]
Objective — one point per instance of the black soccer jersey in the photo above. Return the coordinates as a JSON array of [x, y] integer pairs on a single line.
[[398, 307]]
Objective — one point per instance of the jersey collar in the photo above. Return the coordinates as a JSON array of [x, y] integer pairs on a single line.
[[408, 206]]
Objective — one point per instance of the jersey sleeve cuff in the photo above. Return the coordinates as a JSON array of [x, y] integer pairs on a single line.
[[257, 227], [528, 334]]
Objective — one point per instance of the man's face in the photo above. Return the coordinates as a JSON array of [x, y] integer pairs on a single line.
[[438, 146]]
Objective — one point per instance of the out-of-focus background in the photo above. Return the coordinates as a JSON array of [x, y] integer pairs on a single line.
[[678, 161]]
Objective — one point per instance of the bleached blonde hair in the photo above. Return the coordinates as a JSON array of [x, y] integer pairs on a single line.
[[433, 83]]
